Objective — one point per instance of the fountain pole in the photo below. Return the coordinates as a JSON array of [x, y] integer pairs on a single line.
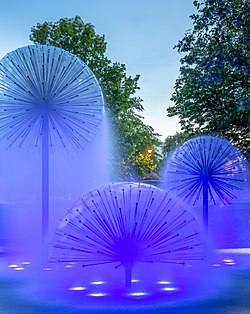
[[45, 178], [205, 204], [128, 276]]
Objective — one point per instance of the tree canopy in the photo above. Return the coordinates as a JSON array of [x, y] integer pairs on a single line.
[[212, 92], [122, 102], [172, 141]]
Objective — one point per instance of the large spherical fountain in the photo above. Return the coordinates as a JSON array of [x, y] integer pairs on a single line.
[[48, 98]]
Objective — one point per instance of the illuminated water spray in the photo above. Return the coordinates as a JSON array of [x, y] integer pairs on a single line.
[[127, 223], [48, 98], [205, 168]]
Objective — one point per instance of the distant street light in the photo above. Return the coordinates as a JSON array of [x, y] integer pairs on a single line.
[[149, 151]]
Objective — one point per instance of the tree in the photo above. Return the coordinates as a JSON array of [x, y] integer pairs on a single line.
[[172, 141], [212, 91], [122, 103], [142, 163]]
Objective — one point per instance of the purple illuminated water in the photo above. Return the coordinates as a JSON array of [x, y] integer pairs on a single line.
[[20, 196], [123, 243]]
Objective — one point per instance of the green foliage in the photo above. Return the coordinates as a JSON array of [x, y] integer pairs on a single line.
[[142, 163], [120, 90], [172, 141], [75, 36], [212, 91]]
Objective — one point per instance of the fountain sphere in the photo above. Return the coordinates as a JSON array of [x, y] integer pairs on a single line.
[[207, 169], [48, 94], [127, 223], [48, 98]]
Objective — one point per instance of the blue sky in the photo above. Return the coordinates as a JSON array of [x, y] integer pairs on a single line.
[[139, 33]]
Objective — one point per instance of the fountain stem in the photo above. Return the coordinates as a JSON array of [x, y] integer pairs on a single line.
[[205, 205], [128, 276], [45, 179]]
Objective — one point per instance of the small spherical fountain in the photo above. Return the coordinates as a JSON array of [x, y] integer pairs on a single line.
[[207, 169]]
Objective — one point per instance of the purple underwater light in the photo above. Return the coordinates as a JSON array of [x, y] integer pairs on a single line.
[[205, 168], [126, 223], [48, 98]]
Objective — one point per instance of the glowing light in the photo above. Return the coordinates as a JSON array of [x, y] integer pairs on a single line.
[[169, 289], [26, 263], [149, 150], [19, 268], [135, 280], [68, 266], [47, 269], [230, 263], [98, 294], [97, 282], [163, 282], [228, 260], [216, 265], [78, 288], [138, 294], [12, 265]]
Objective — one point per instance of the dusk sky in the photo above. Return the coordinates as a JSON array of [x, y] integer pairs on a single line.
[[139, 33]]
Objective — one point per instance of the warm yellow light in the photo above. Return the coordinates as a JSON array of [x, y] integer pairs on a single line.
[[149, 150]]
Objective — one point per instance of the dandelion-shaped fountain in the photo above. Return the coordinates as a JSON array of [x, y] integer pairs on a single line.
[[126, 223], [48, 97], [205, 168]]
